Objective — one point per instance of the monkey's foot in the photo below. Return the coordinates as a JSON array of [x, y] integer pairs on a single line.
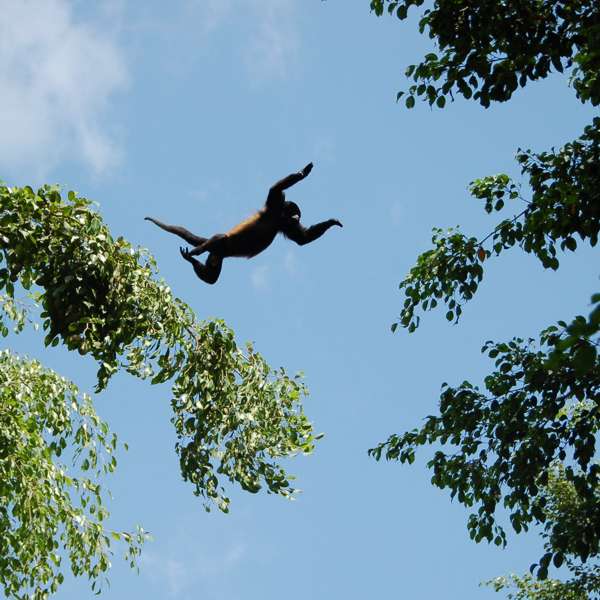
[[186, 254]]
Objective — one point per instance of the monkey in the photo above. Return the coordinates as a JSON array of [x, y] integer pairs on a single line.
[[253, 235]]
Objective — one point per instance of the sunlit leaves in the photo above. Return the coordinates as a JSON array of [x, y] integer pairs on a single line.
[[234, 416], [53, 450], [449, 273], [567, 516], [528, 588], [494, 190]]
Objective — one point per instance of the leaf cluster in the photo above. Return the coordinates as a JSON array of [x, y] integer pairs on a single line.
[[564, 206], [507, 438], [48, 510], [487, 49], [451, 272], [566, 516], [527, 588]]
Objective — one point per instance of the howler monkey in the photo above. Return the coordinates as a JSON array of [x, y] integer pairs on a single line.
[[252, 235]]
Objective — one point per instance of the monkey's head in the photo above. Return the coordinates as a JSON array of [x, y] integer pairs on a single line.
[[291, 211]]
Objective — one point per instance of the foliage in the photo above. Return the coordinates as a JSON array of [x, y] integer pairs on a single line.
[[566, 517], [539, 411], [46, 512], [508, 437], [528, 588], [564, 204], [234, 416], [487, 48]]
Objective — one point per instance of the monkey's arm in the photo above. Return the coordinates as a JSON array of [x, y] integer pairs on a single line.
[[275, 192], [304, 235]]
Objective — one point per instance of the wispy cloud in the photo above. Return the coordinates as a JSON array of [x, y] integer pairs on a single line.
[[260, 277], [262, 35], [274, 43], [197, 570], [264, 31], [177, 576], [290, 263], [210, 14], [56, 78]]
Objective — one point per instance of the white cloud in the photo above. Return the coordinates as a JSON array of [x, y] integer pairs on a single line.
[[174, 574], [177, 576], [204, 15], [260, 278], [197, 570], [214, 12], [234, 555], [274, 43], [290, 263], [261, 34], [56, 77]]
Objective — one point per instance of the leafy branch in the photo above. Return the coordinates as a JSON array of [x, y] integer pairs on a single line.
[[565, 203], [507, 439], [47, 513], [234, 416], [487, 50]]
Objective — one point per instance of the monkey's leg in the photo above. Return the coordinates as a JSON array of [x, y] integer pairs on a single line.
[[182, 232], [217, 243], [208, 272]]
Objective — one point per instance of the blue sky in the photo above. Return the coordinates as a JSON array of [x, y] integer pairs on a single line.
[[188, 111]]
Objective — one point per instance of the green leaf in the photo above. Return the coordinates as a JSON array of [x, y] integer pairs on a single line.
[[585, 358]]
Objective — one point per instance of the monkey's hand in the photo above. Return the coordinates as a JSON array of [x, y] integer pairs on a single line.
[[307, 169], [335, 222], [186, 254]]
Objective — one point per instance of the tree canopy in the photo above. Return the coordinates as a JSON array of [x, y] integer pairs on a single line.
[[235, 417], [487, 49], [528, 438]]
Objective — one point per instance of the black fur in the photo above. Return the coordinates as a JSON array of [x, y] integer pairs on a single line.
[[254, 235]]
